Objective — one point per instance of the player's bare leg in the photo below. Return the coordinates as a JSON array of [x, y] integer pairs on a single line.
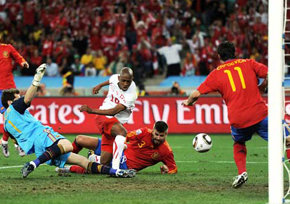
[[87, 142], [106, 158]]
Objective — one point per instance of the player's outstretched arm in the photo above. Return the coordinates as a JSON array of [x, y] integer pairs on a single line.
[[110, 112], [97, 88], [192, 98], [31, 91]]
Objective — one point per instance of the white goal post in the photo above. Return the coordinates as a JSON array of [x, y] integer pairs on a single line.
[[275, 101]]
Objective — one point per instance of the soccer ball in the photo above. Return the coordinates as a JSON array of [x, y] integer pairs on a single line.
[[202, 142]]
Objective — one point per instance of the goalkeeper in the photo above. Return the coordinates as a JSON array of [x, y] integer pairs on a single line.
[[33, 137]]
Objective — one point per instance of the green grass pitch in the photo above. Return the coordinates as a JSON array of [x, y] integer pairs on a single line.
[[202, 178]]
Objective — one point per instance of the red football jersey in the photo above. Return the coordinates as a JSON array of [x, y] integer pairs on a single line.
[[237, 81], [141, 152], [7, 53]]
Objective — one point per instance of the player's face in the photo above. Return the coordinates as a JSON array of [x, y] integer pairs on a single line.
[[125, 81], [158, 137], [17, 96]]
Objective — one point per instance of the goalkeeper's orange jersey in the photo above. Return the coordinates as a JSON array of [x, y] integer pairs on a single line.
[[142, 153], [237, 81]]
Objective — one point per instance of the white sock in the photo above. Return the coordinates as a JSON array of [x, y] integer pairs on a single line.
[[4, 142], [33, 164], [118, 148]]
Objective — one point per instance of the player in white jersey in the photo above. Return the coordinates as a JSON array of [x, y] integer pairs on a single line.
[[115, 111]]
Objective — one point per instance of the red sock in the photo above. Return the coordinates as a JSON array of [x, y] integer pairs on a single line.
[[77, 169], [288, 154], [240, 156], [76, 147], [5, 136]]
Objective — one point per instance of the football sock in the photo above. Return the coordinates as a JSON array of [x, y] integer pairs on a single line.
[[51, 152], [4, 142], [5, 137], [118, 147], [77, 169], [76, 147], [95, 168], [288, 154], [240, 156]]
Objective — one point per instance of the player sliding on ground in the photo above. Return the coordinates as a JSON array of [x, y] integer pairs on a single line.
[[114, 112], [33, 137], [237, 82], [145, 147]]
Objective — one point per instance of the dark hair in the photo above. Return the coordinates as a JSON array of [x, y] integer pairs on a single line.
[[226, 50], [161, 126], [8, 95]]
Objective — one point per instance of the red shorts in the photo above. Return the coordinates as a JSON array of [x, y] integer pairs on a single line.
[[105, 125]]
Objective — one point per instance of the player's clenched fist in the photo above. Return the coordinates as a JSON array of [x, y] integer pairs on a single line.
[[96, 89], [85, 108], [25, 65], [164, 169]]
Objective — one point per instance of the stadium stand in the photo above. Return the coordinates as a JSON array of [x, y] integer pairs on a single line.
[[88, 37]]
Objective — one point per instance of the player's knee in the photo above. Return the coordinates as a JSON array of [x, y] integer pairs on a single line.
[[66, 144], [80, 139]]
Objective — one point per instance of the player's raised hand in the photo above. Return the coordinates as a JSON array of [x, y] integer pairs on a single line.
[[85, 108], [164, 169], [25, 65], [186, 103], [39, 74], [96, 89]]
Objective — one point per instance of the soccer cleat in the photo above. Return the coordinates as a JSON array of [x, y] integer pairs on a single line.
[[27, 169], [240, 180], [20, 151], [126, 173], [63, 171], [5, 150]]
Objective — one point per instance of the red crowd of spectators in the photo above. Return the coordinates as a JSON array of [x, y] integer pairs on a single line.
[[98, 37]]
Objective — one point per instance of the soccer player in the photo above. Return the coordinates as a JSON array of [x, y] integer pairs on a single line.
[[7, 54], [115, 111], [237, 82], [145, 147], [33, 137]]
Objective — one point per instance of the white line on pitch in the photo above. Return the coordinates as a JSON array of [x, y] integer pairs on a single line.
[[218, 162], [10, 167], [221, 162]]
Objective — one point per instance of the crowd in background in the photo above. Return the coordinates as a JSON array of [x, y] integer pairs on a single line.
[[99, 37]]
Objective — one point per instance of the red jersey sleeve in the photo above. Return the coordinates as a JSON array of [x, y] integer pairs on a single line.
[[169, 161], [260, 69], [209, 85], [16, 56]]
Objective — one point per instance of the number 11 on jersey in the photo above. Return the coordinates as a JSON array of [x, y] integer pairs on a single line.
[[230, 76]]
